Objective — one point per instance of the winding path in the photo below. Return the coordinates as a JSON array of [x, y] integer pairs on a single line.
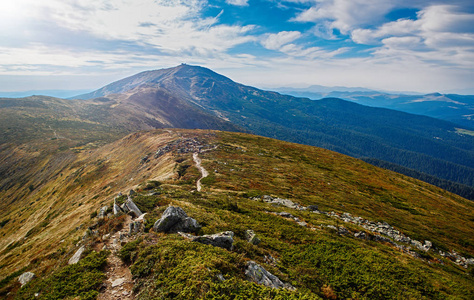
[[204, 172], [119, 282]]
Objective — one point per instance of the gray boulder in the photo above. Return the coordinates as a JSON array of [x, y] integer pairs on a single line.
[[252, 237], [175, 219], [223, 240], [132, 207], [103, 212], [25, 278], [312, 208], [259, 275], [77, 256], [116, 209], [137, 226]]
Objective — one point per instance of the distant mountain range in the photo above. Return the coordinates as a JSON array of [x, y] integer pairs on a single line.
[[196, 97], [455, 108], [50, 93]]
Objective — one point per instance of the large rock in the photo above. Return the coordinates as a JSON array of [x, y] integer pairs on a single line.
[[223, 240], [132, 207], [175, 219], [26, 277], [77, 256], [259, 275]]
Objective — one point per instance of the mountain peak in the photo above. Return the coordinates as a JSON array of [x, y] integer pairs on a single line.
[[154, 77]]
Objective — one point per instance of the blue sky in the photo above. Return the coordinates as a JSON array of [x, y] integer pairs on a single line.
[[398, 45]]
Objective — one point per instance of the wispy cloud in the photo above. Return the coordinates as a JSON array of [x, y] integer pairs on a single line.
[[238, 2]]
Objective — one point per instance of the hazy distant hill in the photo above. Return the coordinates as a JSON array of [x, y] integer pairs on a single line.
[[458, 109], [425, 144], [49, 93]]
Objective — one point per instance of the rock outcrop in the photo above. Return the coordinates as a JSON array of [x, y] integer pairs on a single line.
[[25, 278], [132, 207], [77, 256], [175, 219], [259, 275], [137, 226], [116, 209], [283, 202], [223, 240]]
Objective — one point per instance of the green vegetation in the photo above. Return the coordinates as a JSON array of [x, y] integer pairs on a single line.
[[315, 259], [179, 269], [78, 280], [465, 131], [453, 187]]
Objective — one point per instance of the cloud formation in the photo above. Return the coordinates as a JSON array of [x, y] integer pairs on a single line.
[[352, 42]]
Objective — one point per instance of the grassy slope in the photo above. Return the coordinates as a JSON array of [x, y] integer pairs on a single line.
[[318, 262]]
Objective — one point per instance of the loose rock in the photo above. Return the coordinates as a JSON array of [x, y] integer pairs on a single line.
[[77, 256], [25, 278], [252, 237], [259, 275], [223, 240]]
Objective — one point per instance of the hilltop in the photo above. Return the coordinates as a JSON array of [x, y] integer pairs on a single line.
[[329, 225]]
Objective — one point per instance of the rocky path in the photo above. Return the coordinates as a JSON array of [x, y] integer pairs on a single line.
[[119, 282], [203, 171]]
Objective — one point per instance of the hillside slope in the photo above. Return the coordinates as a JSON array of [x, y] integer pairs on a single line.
[[320, 251], [425, 144], [454, 108]]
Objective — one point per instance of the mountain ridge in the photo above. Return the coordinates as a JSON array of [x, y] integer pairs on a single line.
[[196, 97], [50, 221]]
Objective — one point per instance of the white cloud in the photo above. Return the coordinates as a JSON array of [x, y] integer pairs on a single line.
[[400, 27], [346, 14], [237, 2], [276, 40], [172, 26], [434, 51]]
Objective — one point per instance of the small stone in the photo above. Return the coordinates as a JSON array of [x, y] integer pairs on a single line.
[[252, 237], [103, 212], [26, 277], [285, 214], [302, 223], [220, 277], [223, 240], [118, 282]]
